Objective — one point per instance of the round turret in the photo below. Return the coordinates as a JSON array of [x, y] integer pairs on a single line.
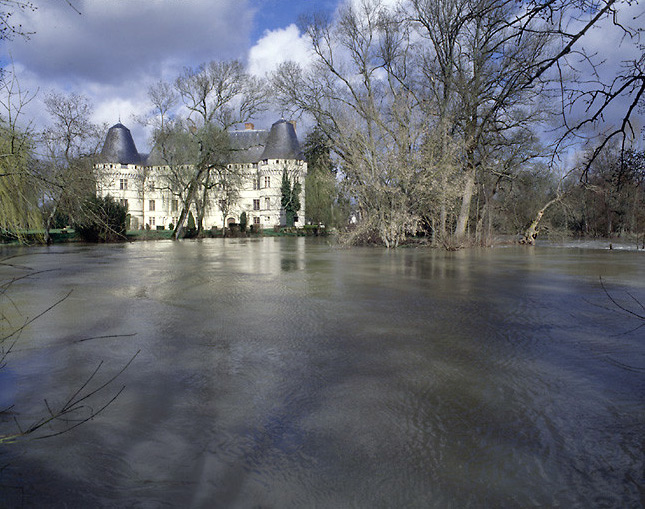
[[282, 142], [119, 146]]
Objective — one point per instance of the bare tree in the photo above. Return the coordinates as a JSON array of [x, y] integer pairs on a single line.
[[356, 92], [9, 29], [174, 154], [218, 95], [71, 142], [479, 63]]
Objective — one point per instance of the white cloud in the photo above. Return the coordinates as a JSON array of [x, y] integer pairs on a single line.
[[276, 47], [110, 41], [114, 49]]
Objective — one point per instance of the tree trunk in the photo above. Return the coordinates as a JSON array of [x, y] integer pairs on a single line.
[[192, 189], [224, 209], [464, 213], [48, 225], [443, 208], [179, 227], [201, 210], [531, 233]]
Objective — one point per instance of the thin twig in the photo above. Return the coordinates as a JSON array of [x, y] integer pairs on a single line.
[[107, 337]]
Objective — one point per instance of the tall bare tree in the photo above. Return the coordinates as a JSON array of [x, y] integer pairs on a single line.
[[218, 95], [72, 142], [356, 92]]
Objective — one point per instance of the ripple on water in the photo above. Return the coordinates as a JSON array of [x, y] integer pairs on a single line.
[[292, 375]]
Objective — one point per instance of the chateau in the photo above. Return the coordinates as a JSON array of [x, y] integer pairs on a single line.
[[260, 156]]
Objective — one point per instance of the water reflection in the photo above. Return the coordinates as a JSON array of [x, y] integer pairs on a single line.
[[283, 372]]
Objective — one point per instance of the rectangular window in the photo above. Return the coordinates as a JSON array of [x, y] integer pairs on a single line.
[[151, 205], [256, 204], [123, 184], [152, 221], [151, 185], [267, 203], [124, 203], [173, 206], [256, 184], [267, 182], [256, 220]]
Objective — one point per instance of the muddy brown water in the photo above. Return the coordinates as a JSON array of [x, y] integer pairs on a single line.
[[288, 373]]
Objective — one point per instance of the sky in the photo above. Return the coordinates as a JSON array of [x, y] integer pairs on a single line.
[[112, 50]]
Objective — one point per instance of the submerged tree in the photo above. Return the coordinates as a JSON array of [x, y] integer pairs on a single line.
[[373, 124]]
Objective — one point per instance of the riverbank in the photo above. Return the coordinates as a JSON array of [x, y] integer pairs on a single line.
[[67, 235]]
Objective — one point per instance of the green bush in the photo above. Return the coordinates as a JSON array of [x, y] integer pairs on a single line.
[[103, 220], [190, 223]]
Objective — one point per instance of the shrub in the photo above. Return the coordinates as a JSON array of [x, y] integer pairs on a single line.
[[103, 220], [190, 223]]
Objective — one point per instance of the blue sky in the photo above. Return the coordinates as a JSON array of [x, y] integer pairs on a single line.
[[275, 14]]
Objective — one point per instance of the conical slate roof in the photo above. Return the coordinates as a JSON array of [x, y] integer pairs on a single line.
[[119, 146], [282, 142]]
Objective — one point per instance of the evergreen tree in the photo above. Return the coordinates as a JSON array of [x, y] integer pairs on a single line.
[[320, 183], [290, 198]]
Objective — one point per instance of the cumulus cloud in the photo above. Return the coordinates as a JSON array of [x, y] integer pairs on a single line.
[[114, 49], [276, 47], [116, 39]]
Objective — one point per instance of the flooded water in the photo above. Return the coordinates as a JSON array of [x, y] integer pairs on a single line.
[[287, 373]]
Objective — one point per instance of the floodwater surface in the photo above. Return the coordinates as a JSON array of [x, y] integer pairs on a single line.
[[288, 373]]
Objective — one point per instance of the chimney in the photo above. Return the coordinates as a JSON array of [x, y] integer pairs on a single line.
[[249, 126], [293, 123]]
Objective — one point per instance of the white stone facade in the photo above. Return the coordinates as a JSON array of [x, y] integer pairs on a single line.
[[145, 189]]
